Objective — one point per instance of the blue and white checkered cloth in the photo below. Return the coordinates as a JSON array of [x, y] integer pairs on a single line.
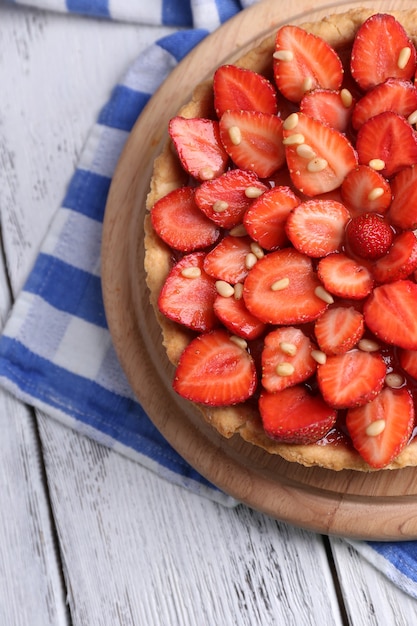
[[56, 352]]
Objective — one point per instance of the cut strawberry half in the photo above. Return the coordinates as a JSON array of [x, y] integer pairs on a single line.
[[408, 361], [318, 156], [364, 190], [387, 142], [188, 294], [266, 217], [399, 96], [198, 145], [179, 222], [253, 140], [280, 289], [400, 260], [330, 107], [295, 416], [215, 370], [403, 211], [317, 227], [227, 260], [344, 277], [390, 313], [233, 313], [225, 199], [351, 379], [303, 62], [339, 329], [239, 89], [382, 428]]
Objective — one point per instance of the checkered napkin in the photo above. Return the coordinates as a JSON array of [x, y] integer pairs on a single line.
[[56, 352]]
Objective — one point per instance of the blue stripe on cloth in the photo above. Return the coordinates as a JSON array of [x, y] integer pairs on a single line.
[[176, 13], [123, 109], [402, 555], [96, 8], [227, 9], [87, 194], [181, 43]]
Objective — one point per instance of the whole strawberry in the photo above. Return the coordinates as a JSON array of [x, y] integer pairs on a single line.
[[369, 236]]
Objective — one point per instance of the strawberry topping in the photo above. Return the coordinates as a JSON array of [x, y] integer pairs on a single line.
[[369, 236], [239, 89]]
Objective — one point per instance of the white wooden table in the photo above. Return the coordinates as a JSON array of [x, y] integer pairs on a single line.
[[88, 537]]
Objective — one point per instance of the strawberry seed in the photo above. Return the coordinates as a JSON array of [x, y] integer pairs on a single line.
[[375, 428]]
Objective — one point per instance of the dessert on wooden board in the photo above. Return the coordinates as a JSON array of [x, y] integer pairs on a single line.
[[281, 256]]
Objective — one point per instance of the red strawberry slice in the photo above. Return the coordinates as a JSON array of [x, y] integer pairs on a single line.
[[364, 190], [381, 50], [179, 222], [344, 277], [318, 156], [330, 107], [265, 218], [400, 261], [215, 371], [339, 329], [188, 294], [382, 428], [369, 236], [317, 227], [408, 361], [253, 140], [399, 96], [225, 199], [390, 313], [198, 145], [295, 416], [280, 289], [227, 260], [403, 212], [239, 89], [232, 312], [286, 358], [303, 62], [351, 379], [388, 141]]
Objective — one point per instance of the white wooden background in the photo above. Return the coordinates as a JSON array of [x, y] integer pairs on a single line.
[[87, 537]]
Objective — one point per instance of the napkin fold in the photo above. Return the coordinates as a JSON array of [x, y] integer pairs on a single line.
[[56, 352]]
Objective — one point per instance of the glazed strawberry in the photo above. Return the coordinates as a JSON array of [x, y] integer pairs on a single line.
[[180, 223], [381, 50], [286, 358], [351, 379], [188, 294], [365, 190], [266, 217], [303, 62], [253, 140], [403, 212], [227, 260], [339, 329], [318, 156], [408, 361], [387, 142], [390, 313], [232, 312], [225, 199], [344, 277], [295, 416], [198, 145], [330, 107], [399, 96], [281, 289], [381, 429], [215, 370], [317, 227], [369, 236], [400, 261], [239, 89]]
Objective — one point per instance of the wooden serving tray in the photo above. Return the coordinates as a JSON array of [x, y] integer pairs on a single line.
[[380, 505]]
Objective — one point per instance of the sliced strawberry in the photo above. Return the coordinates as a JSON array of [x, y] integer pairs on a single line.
[[239, 89], [265, 218], [389, 140], [408, 361], [330, 107], [280, 289], [351, 379], [225, 199], [215, 371], [369, 236], [295, 416], [381, 49], [232, 312], [400, 261], [227, 260], [381, 429], [394, 94], [179, 222], [317, 227], [198, 145], [344, 277], [364, 190], [390, 313], [318, 156], [188, 294], [303, 62], [339, 329], [403, 209], [253, 140]]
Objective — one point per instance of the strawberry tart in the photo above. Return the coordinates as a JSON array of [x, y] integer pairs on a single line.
[[281, 249]]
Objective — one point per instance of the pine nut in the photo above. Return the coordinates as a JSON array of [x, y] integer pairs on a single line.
[[283, 55], [206, 174], [346, 98], [375, 193], [285, 369], [253, 192], [368, 345], [294, 139], [291, 121], [375, 428], [307, 84], [324, 295], [250, 260], [235, 135], [224, 289], [191, 272], [404, 57], [257, 250], [220, 206], [317, 165], [238, 231], [319, 356], [393, 380], [288, 348], [305, 151], [238, 291], [412, 118], [239, 341], [280, 284], [377, 164]]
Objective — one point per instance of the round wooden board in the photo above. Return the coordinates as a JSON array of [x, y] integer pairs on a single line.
[[380, 505]]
